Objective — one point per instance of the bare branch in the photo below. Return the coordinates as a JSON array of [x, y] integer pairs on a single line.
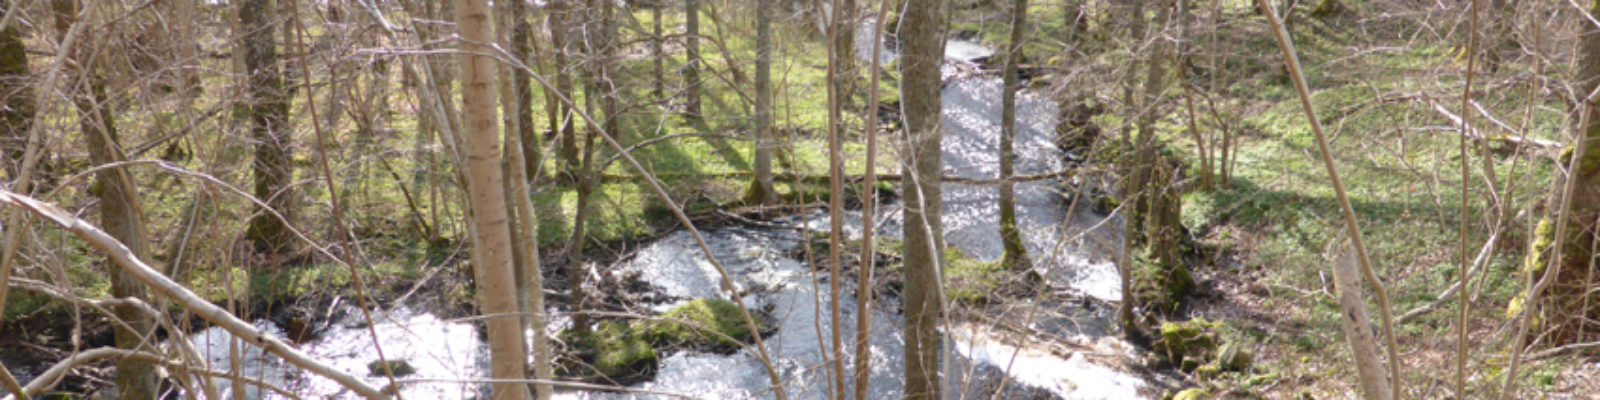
[[166, 288]]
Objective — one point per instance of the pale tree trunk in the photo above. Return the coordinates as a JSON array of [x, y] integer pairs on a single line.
[[761, 188], [525, 261], [836, 60], [492, 244], [869, 200], [922, 45], [691, 48], [1358, 329], [16, 97], [120, 214], [525, 255], [269, 117], [1016, 254]]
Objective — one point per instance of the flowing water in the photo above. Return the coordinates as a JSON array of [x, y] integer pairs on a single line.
[[1069, 354]]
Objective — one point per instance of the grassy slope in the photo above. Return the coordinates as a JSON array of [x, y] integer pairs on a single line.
[[1275, 224]]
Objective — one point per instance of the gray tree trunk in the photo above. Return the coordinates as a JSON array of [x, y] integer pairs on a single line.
[[691, 48], [761, 187], [922, 46], [269, 128], [1016, 254]]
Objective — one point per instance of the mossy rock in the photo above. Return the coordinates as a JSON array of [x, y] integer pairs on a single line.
[[1191, 394], [613, 350], [1233, 357], [1260, 379], [971, 280], [709, 324], [1193, 341]]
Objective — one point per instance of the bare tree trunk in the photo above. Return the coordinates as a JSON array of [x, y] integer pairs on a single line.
[[525, 261], [120, 214], [560, 20], [598, 82], [1358, 329], [269, 128], [1131, 217], [691, 68], [1016, 254], [522, 49], [836, 60], [761, 187], [16, 97], [491, 249], [922, 41]]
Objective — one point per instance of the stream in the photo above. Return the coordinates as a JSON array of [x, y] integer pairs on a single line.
[[1070, 352]]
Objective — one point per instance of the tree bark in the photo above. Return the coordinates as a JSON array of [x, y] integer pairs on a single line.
[[269, 128], [120, 214], [491, 249], [691, 48], [1358, 328], [761, 191], [1016, 254], [922, 41]]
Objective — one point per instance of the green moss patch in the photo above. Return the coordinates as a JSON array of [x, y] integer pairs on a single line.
[[1187, 343], [969, 279], [613, 351], [705, 324], [623, 352]]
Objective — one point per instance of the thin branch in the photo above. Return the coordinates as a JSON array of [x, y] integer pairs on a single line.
[[161, 285], [1293, 62], [334, 198], [1466, 185]]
